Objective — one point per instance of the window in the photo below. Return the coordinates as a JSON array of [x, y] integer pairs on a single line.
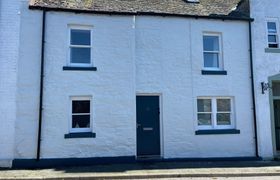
[[212, 51], [272, 36], [215, 113], [80, 47], [80, 114]]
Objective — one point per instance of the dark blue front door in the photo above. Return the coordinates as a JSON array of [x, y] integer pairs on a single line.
[[148, 127], [277, 123]]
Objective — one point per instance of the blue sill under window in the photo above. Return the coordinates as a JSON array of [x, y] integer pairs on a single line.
[[80, 135], [217, 131], [69, 68], [213, 72], [272, 50]]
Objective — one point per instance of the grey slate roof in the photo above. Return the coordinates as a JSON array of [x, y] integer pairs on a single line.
[[205, 8]]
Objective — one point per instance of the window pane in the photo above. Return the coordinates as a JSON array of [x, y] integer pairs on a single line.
[[272, 38], [223, 105], [271, 26], [80, 55], [276, 89], [204, 119], [80, 37], [81, 106], [211, 60], [204, 105], [223, 119], [211, 43], [81, 121], [273, 45]]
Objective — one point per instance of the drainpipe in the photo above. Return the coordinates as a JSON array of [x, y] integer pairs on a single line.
[[41, 86], [253, 91]]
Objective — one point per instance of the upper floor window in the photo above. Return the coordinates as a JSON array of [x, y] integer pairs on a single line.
[[80, 47], [272, 34], [212, 52], [215, 112]]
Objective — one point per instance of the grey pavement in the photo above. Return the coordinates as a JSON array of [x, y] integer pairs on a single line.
[[226, 178], [259, 170]]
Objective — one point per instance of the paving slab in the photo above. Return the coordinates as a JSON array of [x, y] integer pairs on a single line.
[[225, 169]]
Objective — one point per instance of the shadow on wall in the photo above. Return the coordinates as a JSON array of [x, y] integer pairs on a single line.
[[168, 166], [148, 165]]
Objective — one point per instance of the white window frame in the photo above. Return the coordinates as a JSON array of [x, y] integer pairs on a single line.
[[214, 112], [220, 52], [273, 20], [80, 27], [80, 98]]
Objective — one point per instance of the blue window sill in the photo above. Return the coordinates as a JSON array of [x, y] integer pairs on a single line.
[[80, 135], [272, 50], [209, 72], [217, 131], [69, 68]]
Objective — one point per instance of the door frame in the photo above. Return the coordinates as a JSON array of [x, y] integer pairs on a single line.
[[160, 121], [272, 80]]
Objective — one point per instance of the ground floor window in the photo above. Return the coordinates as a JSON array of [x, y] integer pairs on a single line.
[[215, 112], [81, 116]]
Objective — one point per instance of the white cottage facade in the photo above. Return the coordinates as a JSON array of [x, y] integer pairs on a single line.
[[123, 87], [265, 33], [9, 51]]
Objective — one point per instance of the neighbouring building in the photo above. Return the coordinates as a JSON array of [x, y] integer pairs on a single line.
[[266, 56], [127, 80], [9, 51]]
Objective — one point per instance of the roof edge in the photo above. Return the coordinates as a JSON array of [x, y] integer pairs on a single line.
[[217, 17]]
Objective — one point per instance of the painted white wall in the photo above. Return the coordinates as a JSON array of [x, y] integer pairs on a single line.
[[132, 55], [265, 65], [169, 60], [111, 86], [9, 46], [28, 82]]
